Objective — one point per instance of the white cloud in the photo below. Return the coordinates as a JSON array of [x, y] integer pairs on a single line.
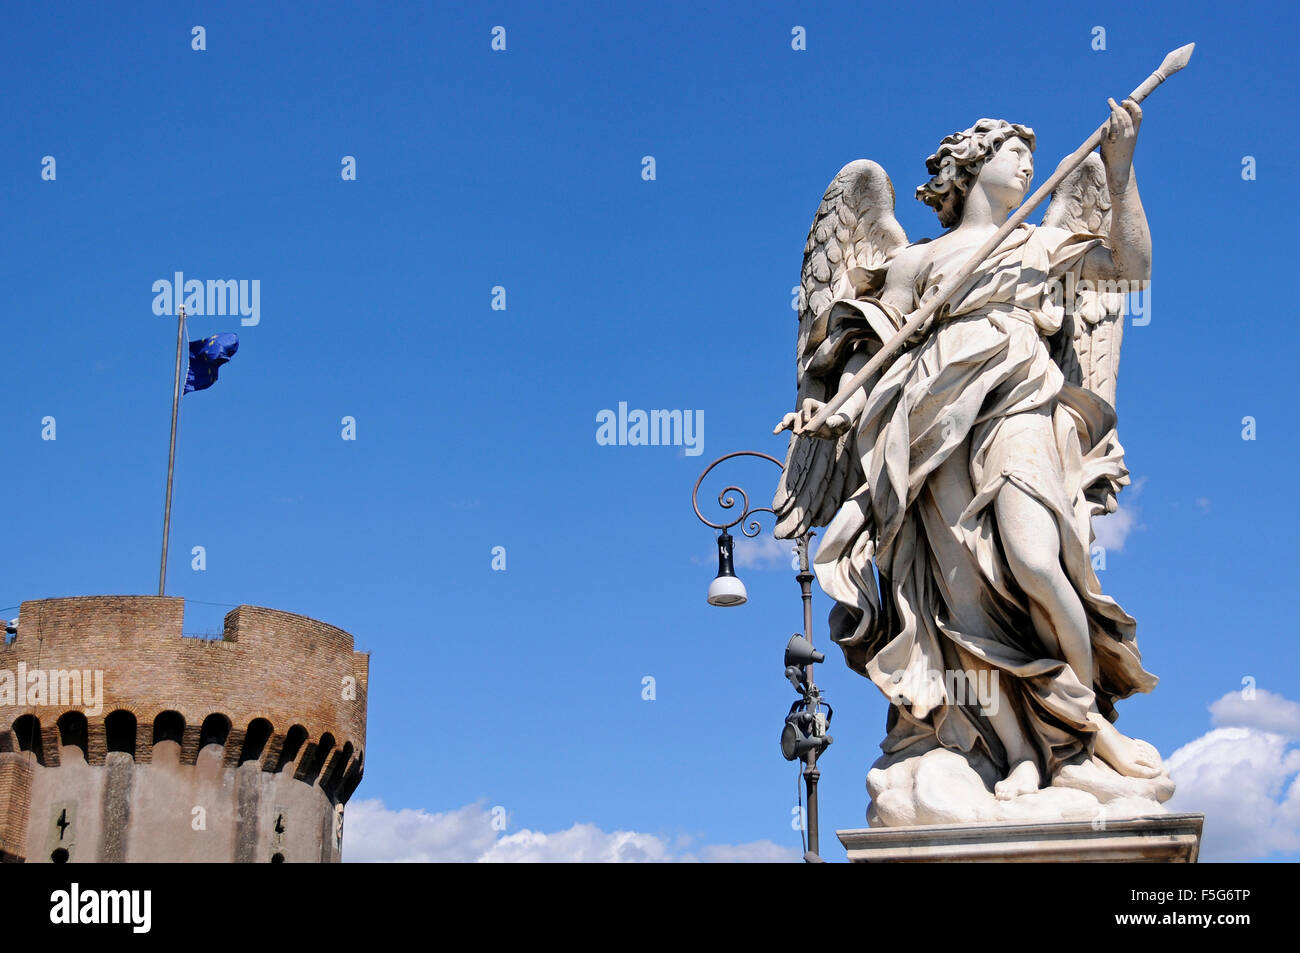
[[1113, 529], [764, 552], [1245, 777], [755, 852], [1258, 708], [372, 832], [768, 552], [581, 843]]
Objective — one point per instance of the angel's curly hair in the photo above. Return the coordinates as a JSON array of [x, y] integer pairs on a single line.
[[958, 161]]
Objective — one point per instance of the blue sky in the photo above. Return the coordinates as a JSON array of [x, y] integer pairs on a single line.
[[476, 427]]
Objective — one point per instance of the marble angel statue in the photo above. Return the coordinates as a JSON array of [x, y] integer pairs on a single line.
[[957, 487]]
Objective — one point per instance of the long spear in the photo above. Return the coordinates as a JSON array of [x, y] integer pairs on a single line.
[[1172, 64]]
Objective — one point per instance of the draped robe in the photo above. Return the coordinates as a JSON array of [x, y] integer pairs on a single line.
[[978, 402]]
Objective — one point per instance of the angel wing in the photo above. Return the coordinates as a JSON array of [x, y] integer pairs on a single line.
[[1087, 346], [853, 237]]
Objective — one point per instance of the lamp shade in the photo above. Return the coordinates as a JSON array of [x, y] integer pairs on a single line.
[[726, 589]]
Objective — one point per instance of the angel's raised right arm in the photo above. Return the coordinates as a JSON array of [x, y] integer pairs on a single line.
[[1127, 254]]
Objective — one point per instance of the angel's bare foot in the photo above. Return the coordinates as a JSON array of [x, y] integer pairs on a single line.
[[1129, 756], [1023, 779]]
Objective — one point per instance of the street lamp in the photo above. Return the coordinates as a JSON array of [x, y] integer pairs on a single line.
[[804, 737]]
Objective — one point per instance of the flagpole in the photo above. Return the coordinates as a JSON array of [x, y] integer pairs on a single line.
[[171, 453]]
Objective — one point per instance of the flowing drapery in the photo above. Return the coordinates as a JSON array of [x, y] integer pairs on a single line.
[[976, 403]]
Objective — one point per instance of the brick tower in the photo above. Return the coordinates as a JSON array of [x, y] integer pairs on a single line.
[[243, 748]]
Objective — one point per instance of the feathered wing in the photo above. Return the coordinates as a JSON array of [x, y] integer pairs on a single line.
[[853, 236], [1087, 346]]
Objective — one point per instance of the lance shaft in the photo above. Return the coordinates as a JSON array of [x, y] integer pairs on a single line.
[[1172, 64]]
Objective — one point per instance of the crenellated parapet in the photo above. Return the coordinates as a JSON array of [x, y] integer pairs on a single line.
[[89, 682]]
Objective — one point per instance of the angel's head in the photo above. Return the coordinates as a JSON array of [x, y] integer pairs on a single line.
[[1006, 148]]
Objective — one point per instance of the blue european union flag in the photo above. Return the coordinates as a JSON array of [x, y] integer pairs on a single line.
[[206, 356]]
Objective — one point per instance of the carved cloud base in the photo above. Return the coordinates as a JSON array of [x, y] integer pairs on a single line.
[[944, 787]]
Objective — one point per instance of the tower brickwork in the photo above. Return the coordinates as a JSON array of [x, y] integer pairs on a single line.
[[243, 748]]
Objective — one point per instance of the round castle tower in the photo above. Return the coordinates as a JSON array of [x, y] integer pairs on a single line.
[[122, 740]]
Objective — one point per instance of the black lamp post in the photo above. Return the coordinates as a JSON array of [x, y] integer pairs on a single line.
[[804, 736]]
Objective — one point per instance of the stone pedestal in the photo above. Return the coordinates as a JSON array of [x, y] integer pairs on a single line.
[[1167, 838]]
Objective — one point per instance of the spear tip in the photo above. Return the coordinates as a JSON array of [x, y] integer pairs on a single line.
[[1177, 59]]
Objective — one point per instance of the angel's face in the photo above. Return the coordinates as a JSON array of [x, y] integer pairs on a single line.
[[1007, 174]]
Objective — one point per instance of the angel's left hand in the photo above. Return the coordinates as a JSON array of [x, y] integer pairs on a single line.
[[798, 422], [1119, 141]]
